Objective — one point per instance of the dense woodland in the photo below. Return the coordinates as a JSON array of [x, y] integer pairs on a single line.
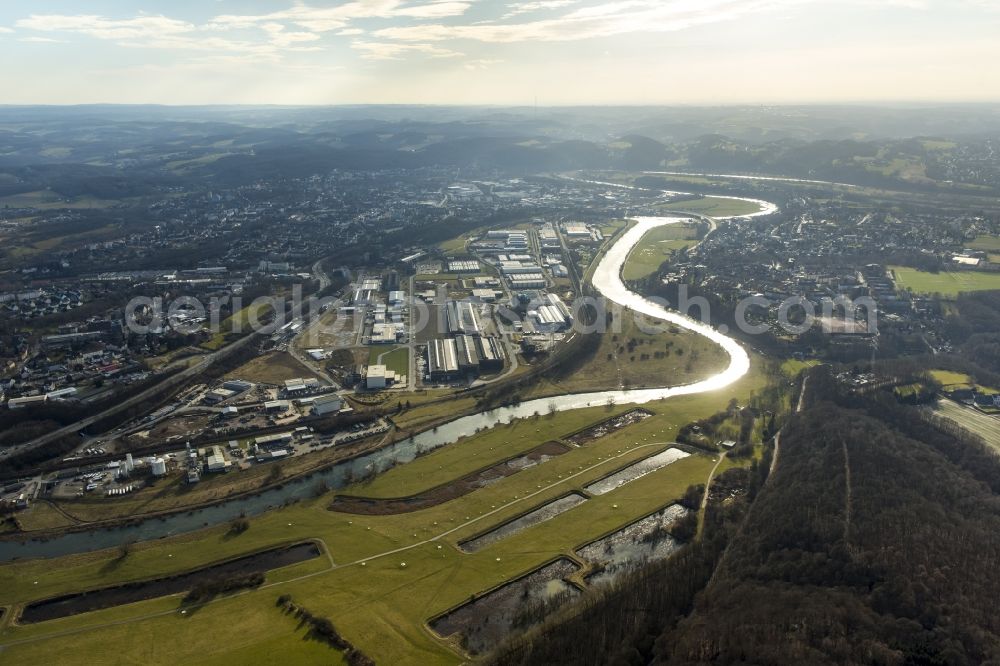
[[875, 541]]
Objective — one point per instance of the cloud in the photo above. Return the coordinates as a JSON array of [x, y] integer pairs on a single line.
[[326, 19], [396, 51], [603, 20], [41, 40], [479, 64], [161, 32], [139, 27], [5, 30], [518, 8]]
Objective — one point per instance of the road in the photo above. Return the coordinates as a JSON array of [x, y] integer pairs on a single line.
[[136, 399], [311, 328], [139, 398], [984, 425]]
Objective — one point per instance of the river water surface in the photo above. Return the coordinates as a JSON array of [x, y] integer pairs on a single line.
[[607, 280]]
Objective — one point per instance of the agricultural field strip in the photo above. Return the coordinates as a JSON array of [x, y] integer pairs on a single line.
[[395, 551]]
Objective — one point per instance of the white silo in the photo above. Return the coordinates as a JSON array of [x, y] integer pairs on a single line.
[[159, 466]]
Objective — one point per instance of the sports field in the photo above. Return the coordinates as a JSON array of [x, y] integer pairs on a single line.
[[946, 283]]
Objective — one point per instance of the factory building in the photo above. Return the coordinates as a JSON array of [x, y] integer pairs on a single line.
[[527, 281], [466, 354], [218, 395], [551, 316], [216, 460], [442, 359], [491, 354], [237, 385], [462, 318], [327, 404], [27, 401], [463, 266]]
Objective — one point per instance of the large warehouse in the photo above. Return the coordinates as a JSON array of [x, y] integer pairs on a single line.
[[462, 318], [442, 359]]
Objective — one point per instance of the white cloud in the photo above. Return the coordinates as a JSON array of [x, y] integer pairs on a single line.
[[325, 19], [40, 40], [603, 20], [518, 8], [480, 64], [139, 27], [5, 30], [161, 32], [396, 51]]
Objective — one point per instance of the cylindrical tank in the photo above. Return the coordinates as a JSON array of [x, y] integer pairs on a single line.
[[159, 466]]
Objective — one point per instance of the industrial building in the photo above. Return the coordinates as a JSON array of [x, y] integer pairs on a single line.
[[277, 438], [527, 281], [27, 401], [218, 395], [386, 333], [301, 384], [491, 354], [463, 266], [327, 404], [379, 377], [466, 354], [551, 316], [216, 460], [442, 359], [462, 318]]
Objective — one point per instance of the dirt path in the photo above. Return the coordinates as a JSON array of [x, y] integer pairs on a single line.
[[848, 502], [704, 497]]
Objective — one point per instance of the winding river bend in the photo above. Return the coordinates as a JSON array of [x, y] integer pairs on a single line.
[[607, 280]]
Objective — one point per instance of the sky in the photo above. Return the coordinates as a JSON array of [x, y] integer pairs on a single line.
[[507, 52]]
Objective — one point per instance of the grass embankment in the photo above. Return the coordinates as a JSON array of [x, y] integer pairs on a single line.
[[713, 207], [632, 358], [656, 247], [381, 607], [946, 283]]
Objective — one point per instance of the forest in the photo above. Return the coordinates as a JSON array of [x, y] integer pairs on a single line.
[[875, 540]]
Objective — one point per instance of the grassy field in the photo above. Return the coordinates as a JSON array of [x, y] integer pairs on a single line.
[[713, 206], [47, 200], [949, 378], [944, 283], [657, 359], [273, 368], [655, 247], [397, 360], [381, 606], [988, 243], [792, 367], [240, 321], [951, 381]]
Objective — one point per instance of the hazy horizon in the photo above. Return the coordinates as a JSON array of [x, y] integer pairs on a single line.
[[509, 54]]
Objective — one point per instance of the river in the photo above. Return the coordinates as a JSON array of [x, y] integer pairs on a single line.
[[607, 280]]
